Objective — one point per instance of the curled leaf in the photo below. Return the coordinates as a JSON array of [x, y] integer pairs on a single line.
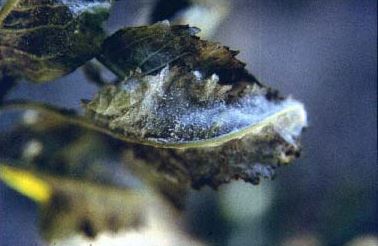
[[178, 108], [213, 135], [195, 98], [189, 108], [248, 153], [43, 40]]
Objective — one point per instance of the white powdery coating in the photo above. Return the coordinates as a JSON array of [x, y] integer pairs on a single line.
[[79, 6], [197, 75], [291, 126], [162, 108], [249, 111], [187, 121]]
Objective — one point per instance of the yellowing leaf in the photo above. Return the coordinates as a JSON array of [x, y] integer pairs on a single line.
[[25, 183]]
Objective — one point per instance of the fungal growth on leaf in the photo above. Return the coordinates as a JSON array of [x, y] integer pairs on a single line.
[[183, 112], [44, 40], [195, 98]]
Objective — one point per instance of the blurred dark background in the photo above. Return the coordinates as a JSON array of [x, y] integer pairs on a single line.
[[323, 53]]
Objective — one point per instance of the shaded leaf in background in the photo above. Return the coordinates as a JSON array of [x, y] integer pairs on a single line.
[[69, 206], [43, 40], [86, 195], [52, 147], [76, 177]]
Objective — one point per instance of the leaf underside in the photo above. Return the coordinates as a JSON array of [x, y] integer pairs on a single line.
[[195, 98]]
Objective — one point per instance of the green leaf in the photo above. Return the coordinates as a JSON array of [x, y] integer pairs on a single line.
[[43, 40]]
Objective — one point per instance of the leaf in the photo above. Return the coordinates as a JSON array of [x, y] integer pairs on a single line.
[[195, 98], [189, 154], [201, 120], [151, 48], [76, 177], [43, 40], [69, 206], [53, 147], [204, 135]]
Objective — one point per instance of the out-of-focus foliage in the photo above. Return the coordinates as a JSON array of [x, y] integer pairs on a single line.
[[70, 206], [44, 40]]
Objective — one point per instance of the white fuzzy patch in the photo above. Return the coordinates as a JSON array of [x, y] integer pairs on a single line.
[[78, 7], [248, 112]]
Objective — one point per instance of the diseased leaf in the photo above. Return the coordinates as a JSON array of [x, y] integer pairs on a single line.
[[248, 153], [189, 109], [213, 135], [197, 99], [151, 48], [42, 40]]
